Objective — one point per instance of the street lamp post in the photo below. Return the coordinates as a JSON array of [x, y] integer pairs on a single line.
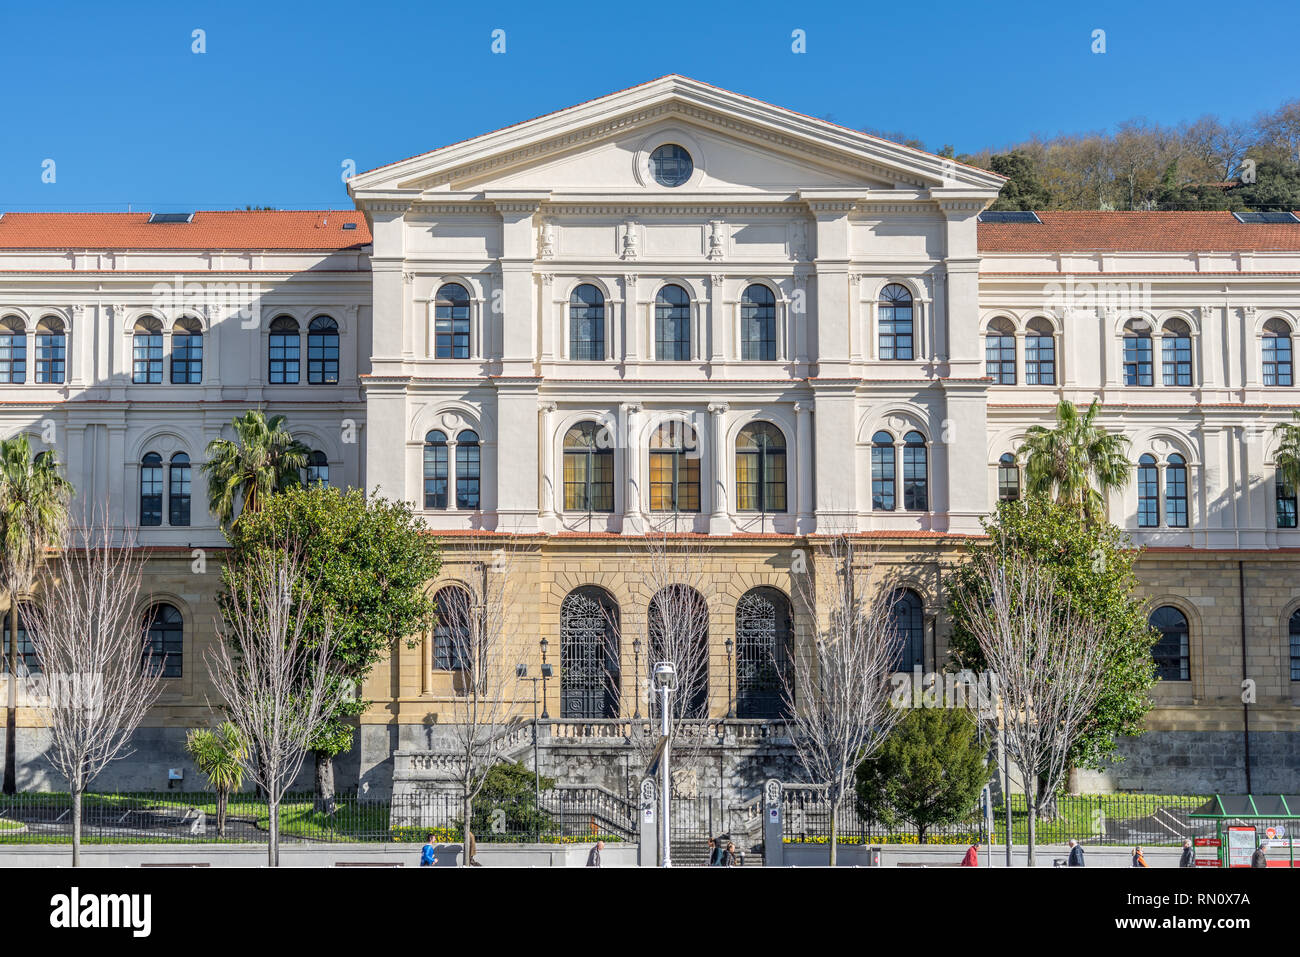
[[521, 671], [636, 674], [665, 676], [730, 709], [546, 673]]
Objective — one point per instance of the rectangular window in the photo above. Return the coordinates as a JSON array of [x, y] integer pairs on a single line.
[[1148, 497], [1000, 359], [915, 491], [187, 360], [13, 357], [450, 338], [1040, 360], [1176, 360], [284, 358], [1138, 361], [1277, 360], [51, 357], [882, 478], [151, 495], [178, 496], [1295, 656], [1286, 504], [147, 358], [467, 476], [674, 482], [1176, 496], [895, 333], [322, 359], [28, 661]]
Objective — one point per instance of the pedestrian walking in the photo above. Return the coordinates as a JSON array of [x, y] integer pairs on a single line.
[[1076, 854], [713, 853], [1138, 859], [972, 858], [1259, 858], [729, 856], [428, 857], [1189, 855], [593, 859]]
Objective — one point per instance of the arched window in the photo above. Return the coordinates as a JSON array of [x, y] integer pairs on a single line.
[[451, 322], [1277, 353], [764, 637], [51, 350], [1294, 635], [29, 662], [674, 469], [760, 468], [435, 470], [13, 350], [672, 324], [1171, 651], [679, 632], [323, 351], [758, 324], [1040, 353], [1000, 352], [916, 494], [1138, 361], [1176, 492], [1148, 492], [178, 490], [283, 351], [147, 352], [318, 469], [1176, 353], [588, 469], [164, 646], [588, 654], [453, 628], [882, 472], [1286, 502], [187, 352], [467, 470], [151, 489], [909, 630], [587, 324], [895, 322], [1008, 478]]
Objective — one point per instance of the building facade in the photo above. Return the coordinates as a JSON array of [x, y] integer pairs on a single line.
[[676, 308]]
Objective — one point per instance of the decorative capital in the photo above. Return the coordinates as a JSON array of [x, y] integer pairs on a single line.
[[716, 280], [630, 408], [717, 408], [548, 406], [548, 278]]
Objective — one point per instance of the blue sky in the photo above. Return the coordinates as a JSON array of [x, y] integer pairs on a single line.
[[288, 91]]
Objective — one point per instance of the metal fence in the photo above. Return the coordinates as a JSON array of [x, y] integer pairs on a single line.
[[566, 814], [1098, 818]]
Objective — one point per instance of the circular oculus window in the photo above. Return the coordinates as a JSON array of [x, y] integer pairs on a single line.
[[671, 165]]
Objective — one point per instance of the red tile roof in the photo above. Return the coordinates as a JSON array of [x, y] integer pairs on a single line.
[[1079, 231], [314, 229]]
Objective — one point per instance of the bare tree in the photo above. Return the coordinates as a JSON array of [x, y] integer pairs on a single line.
[[477, 619], [838, 691], [274, 676], [1049, 659], [90, 639]]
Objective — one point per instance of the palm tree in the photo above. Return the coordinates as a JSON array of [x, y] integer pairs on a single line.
[[1077, 462], [263, 459], [33, 516], [1287, 456], [219, 754]]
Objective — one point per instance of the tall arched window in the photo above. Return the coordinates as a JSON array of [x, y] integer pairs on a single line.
[[588, 654], [178, 490], [164, 646], [1286, 502], [187, 352], [588, 469], [451, 322], [51, 350], [1171, 651], [283, 356], [1148, 492], [674, 469], [151, 489], [1040, 353], [1000, 352], [1176, 353], [758, 324], [760, 468], [1294, 634], [1277, 353], [896, 337], [672, 324], [468, 463], [909, 630], [1008, 478], [435, 470], [882, 472], [452, 630], [13, 350], [147, 352], [679, 632], [1176, 491], [323, 351], [764, 637], [1138, 356], [916, 486], [587, 324], [318, 469]]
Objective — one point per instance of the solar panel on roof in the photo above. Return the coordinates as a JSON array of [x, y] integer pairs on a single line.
[[349, 225], [170, 217], [1009, 216], [1258, 218]]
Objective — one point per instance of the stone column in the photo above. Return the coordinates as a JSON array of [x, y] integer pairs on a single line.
[[719, 520], [548, 463], [804, 473], [630, 422]]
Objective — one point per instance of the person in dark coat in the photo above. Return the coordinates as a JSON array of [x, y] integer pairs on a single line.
[[593, 859], [1076, 854], [729, 858], [1138, 859], [1189, 855], [1259, 858]]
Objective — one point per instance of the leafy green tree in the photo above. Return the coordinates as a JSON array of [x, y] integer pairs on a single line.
[[1093, 564], [263, 459], [219, 754], [506, 807], [367, 562], [1077, 461], [34, 499], [1024, 188], [928, 773], [1276, 187]]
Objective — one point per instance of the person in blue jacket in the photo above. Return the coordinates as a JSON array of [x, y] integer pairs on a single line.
[[427, 856]]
